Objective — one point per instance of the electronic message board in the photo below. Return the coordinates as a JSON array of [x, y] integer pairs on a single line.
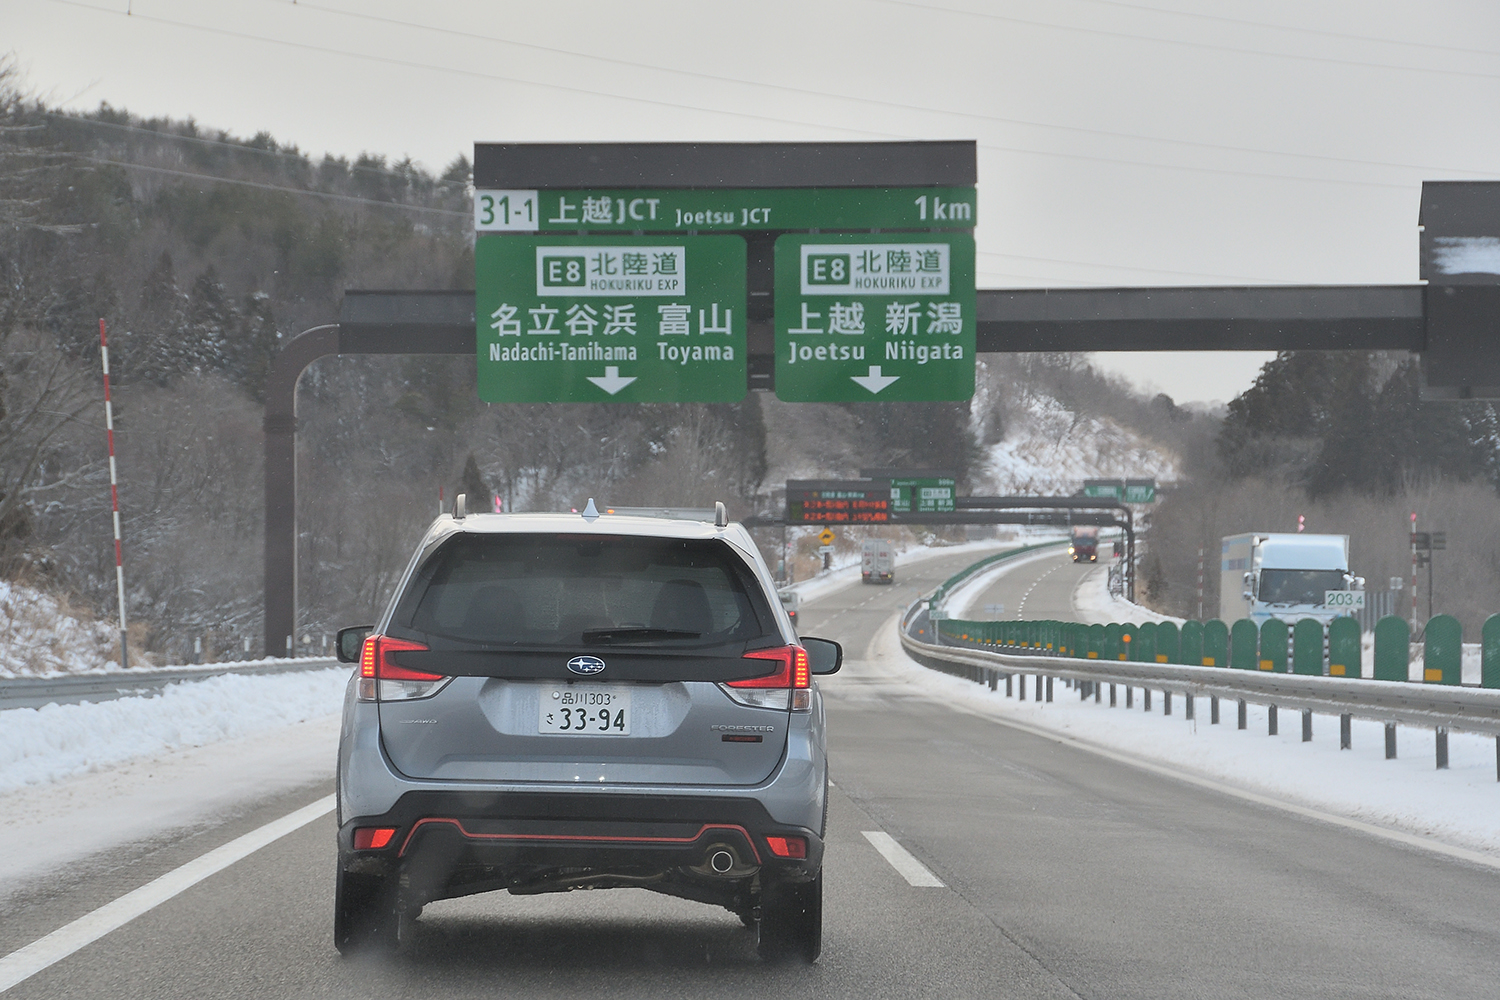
[[818, 501]]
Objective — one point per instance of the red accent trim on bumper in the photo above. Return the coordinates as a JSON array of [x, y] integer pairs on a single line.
[[578, 838]]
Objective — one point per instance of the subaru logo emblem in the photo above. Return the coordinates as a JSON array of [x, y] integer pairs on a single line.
[[585, 665]]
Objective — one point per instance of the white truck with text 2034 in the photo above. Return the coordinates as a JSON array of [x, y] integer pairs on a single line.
[[1287, 576]]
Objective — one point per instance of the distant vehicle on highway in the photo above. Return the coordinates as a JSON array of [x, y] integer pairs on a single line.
[[877, 563], [1289, 576], [1084, 546], [583, 701], [790, 600]]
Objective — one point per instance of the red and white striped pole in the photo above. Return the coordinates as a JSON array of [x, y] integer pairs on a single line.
[[114, 496]]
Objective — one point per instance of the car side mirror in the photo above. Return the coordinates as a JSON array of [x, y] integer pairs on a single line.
[[350, 640], [824, 656]]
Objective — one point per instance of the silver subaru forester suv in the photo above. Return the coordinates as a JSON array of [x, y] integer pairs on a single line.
[[583, 701]]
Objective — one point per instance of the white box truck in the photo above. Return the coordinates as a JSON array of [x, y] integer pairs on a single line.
[[877, 563], [1287, 576]]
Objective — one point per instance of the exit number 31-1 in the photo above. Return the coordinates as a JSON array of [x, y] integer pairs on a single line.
[[505, 211]]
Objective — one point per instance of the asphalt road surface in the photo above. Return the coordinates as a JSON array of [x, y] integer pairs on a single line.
[[1065, 874]]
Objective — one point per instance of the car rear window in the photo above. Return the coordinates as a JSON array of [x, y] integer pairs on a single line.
[[530, 590]]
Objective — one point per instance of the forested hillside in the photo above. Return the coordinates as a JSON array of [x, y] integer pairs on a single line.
[[1344, 440], [205, 252]]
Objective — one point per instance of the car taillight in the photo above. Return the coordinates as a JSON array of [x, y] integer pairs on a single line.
[[785, 687], [380, 675]]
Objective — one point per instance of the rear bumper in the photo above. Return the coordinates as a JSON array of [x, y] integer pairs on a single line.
[[455, 843]]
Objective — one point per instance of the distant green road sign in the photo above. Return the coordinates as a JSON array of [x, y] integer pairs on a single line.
[[627, 319], [888, 317], [1111, 489], [1130, 490], [922, 496], [723, 210]]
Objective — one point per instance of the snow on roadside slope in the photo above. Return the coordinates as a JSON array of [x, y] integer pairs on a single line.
[[39, 636], [48, 744], [1049, 450], [1459, 806]]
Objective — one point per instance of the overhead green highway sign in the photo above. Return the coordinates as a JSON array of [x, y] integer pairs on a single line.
[[863, 317], [725, 210], [923, 495], [637, 319]]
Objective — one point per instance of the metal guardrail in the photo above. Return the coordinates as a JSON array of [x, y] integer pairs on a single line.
[[33, 692], [1442, 708], [1475, 710]]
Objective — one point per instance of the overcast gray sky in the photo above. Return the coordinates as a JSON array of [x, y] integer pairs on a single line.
[[1160, 142]]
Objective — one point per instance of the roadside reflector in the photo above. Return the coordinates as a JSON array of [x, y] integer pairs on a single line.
[[787, 847]]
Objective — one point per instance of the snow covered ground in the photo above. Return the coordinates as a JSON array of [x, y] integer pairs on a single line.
[[43, 745], [78, 779], [1459, 806], [41, 635]]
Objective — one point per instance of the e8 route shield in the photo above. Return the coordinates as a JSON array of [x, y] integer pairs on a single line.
[[613, 319]]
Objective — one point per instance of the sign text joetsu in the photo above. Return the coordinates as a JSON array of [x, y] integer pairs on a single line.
[[619, 319], [862, 317]]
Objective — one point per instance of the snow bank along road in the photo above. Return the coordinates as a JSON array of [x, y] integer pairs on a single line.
[[967, 857]]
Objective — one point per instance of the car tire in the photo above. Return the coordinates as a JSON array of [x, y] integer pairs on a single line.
[[791, 921], [365, 915]]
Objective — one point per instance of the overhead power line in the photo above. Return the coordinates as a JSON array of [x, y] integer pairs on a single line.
[[629, 98], [237, 147], [869, 101], [1294, 28], [275, 187], [1181, 43]]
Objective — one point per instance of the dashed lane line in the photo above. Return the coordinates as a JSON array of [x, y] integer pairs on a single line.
[[22, 964], [901, 859]]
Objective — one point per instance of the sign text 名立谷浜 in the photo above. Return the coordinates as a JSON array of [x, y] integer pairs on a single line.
[[626, 319]]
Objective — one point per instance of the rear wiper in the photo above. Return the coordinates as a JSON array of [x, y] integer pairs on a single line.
[[636, 634]]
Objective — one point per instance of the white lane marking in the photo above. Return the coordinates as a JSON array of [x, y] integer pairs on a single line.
[[22, 964], [900, 858], [1022, 606]]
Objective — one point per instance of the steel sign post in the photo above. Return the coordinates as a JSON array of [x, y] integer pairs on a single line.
[[618, 319]]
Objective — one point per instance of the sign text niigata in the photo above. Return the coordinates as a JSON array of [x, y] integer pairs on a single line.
[[635, 319], [864, 317]]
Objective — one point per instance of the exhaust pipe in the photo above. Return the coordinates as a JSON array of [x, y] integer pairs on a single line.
[[721, 861]]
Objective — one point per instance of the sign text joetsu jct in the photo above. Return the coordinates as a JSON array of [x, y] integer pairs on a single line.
[[626, 319], [875, 317]]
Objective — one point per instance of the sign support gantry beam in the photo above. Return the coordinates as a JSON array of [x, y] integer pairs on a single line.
[[1273, 318]]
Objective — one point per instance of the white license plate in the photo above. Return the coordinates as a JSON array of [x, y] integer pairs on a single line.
[[584, 710]]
